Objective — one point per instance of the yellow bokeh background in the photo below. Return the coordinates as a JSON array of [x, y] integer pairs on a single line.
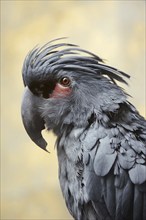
[[115, 30]]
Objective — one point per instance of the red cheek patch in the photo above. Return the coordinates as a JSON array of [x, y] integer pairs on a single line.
[[60, 91]]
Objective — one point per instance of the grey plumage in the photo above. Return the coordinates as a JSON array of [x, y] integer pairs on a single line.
[[101, 138]]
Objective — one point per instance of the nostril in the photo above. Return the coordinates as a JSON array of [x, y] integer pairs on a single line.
[[45, 95], [41, 91]]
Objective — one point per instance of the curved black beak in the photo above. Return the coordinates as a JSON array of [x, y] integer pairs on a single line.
[[32, 119]]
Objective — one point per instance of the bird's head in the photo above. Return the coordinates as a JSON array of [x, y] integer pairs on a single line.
[[65, 85]]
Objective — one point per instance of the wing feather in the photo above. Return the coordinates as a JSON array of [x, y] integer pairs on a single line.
[[137, 204], [109, 194], [127, 198], [117, 175], [144, 205]]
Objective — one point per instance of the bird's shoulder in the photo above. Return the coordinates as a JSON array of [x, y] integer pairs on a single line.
[[118, 140], [115, 163]]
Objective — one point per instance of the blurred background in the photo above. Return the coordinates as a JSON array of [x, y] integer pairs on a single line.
[[115, 30]]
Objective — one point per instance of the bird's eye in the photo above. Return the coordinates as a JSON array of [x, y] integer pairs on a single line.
[[65, 81]]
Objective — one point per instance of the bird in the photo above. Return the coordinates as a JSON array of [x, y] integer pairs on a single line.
[[101, 137]]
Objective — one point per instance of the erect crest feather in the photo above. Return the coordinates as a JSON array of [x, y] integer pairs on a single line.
[[64, 56]]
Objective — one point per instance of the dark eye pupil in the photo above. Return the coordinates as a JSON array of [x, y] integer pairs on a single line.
[[65, 81]]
